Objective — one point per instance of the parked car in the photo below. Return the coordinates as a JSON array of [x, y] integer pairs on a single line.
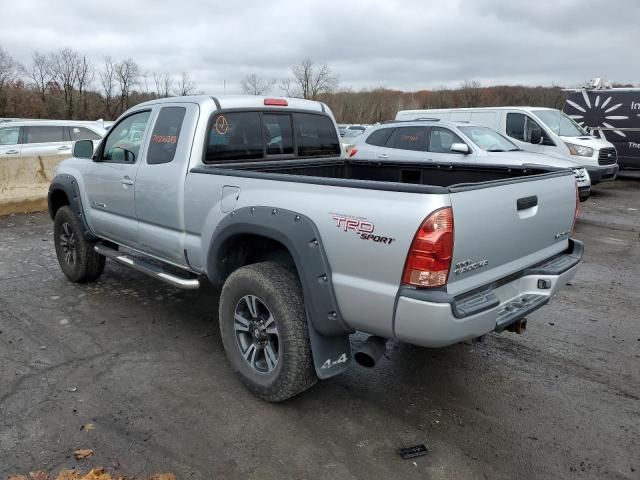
[[256, 195], [613, 114], [538, 130], [44, 137], [438, 141]]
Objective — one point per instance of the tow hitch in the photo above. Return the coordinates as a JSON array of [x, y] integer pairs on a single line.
[[519, 326]]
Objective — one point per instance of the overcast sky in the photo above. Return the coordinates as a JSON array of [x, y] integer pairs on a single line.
[[405, 45]]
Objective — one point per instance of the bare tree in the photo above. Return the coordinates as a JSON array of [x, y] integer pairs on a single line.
[[8, 71], [186, 86], [8, 67], [64, 66], [252, 84], [164, 84], [127, 73], [314, 80], [108, 81], [84, 77], [470, 94], [39, 75], [287, 87]]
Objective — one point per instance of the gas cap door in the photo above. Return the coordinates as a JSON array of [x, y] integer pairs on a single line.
[[230, 196]]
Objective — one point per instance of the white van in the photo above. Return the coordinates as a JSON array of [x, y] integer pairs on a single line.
[[537, 130]]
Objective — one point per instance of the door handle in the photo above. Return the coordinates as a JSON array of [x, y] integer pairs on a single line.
[[383, 156], [126, 181], [11, 152], [527, 202], [64, 147]]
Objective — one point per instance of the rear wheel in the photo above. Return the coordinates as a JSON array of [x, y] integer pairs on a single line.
[[76, 256], [264, 331]]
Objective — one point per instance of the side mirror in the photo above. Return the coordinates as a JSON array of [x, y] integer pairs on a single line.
[[536, 136], [83, 149], [460, 148]]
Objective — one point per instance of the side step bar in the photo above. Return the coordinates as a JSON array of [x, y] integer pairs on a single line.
[[148, 268]]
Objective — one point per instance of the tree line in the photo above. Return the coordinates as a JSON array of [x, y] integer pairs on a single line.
[[66, 84]]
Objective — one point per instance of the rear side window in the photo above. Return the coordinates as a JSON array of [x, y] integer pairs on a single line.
[[278, 133], [235, 136], [379, 137], [81, 133], [165, 135], [315, 135], [411, 138], [9, 136], [45, 134], [442, 139]]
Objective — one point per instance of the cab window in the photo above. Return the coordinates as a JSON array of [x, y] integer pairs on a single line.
[[278, 133], [442, 139], [124, 140], [165, 135], [235, 136]]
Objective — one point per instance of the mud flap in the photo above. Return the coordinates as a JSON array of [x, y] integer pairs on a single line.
[[331, 355]]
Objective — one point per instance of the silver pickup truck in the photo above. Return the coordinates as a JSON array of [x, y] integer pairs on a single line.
[[255, 194]]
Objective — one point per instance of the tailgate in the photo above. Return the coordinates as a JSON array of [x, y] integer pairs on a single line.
[[502, 228]]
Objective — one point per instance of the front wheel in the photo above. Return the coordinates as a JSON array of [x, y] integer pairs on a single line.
[[76, 256], [264, 331]]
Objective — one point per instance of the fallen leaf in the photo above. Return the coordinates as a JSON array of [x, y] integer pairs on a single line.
[[17, 477], [69, 475], [82, 453], [163, 476], [88, 427], [98, 473], [39, 475]]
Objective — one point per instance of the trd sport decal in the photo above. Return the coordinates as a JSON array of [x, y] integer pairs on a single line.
[[361, 227]]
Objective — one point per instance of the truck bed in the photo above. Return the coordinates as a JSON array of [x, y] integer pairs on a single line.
[[377, 175]]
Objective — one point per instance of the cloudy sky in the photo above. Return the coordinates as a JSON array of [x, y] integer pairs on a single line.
[[402, 44]]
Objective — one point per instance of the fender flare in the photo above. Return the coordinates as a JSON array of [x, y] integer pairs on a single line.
[[68, 184], [328, 333]]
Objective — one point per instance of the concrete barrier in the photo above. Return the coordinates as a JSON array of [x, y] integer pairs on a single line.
[[24, 182]]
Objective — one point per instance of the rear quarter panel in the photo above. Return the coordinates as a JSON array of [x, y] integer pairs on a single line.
[[365, 274]]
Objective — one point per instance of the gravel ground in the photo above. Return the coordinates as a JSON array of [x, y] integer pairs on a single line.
[[144, 364]]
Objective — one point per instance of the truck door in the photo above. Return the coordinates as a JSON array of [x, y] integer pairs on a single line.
[[520, 128], [111, 179], [160, 182]]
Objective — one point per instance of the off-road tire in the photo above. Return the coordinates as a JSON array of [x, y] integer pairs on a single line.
[[87, 265], [279, 289]]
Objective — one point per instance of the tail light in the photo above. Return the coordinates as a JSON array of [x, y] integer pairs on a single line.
[[352, 152], [429, 258]]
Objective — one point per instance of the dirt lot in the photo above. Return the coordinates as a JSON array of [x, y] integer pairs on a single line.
[[144, 364]]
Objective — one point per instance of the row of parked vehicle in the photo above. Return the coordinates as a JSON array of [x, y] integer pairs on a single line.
[[308, 245], [497, 136]]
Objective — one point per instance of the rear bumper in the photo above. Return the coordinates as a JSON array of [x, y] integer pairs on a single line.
[[435, 319], [602, 173]]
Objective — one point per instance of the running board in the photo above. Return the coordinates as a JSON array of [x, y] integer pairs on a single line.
[[149, 269]]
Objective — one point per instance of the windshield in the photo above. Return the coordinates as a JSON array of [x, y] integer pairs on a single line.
[[488, 140], [560, 123]]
